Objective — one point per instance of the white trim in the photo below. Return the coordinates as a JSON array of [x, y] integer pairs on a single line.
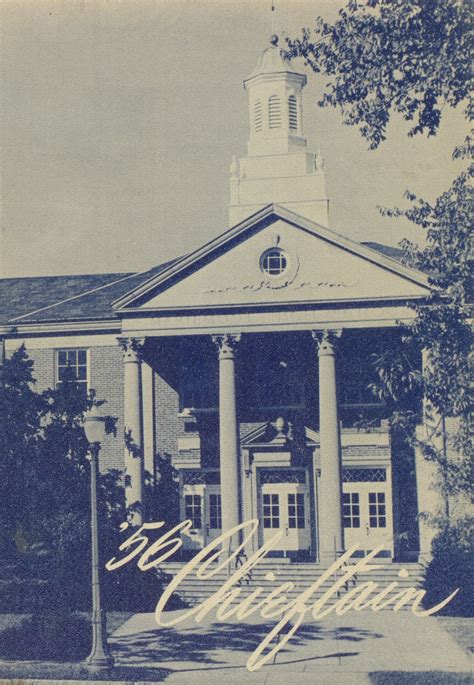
[[44, 328], [282, 304], [277, 212], [357, 317], [64, 342], [365, 439]]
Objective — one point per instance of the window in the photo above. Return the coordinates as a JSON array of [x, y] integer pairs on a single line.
[[72, 364], [296, 510], [274, 112], [274, 262], [192, 505], [364, 475], [351, 510], [293, 113], [377, 510], [257, 116], [271, 511], [215, 514]]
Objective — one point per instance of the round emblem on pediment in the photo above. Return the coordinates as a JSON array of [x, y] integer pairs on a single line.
[[278, 265], [274, 262]]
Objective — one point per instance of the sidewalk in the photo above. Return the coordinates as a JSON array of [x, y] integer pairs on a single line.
[[340, 650]]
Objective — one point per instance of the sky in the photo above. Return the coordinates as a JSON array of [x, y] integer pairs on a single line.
[[120, 119]]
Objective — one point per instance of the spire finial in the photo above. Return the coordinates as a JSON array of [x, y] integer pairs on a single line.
[[273, 24]]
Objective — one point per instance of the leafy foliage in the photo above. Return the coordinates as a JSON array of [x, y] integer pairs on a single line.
[[412, 58], [385, 56], [452, 567], [45, 503]]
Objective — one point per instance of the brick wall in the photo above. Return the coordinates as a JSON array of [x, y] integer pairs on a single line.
[[106, 378], [43, 370], [168, 424]]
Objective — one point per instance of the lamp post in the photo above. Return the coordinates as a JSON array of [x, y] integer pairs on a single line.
[[99, 659]]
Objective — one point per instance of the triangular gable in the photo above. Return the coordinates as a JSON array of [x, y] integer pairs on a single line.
[[263, 434], [322, 266]]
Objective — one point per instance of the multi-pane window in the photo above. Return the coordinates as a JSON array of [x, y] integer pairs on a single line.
[[351, 510], [257, 116], [377, 510], [274, 262], [215, 514], [274, 112], [72, 364], [293, 113], [271, 511], [193, 510], [296, 510]]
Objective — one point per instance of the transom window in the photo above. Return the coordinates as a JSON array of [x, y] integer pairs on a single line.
[[351, 510], [274, 262], [193, 510], [271, 511], [215, 511], [364, 475], [377, 510], [72, 365], [296, 510]]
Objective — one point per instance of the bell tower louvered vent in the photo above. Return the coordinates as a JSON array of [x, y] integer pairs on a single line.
[[293, 113], [257, 116], [274, 112]]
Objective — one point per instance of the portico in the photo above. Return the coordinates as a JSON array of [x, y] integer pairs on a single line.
[[262, 434]]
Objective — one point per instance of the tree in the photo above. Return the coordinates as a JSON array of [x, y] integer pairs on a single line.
[[413, 58], [45, 487], [384, 56]]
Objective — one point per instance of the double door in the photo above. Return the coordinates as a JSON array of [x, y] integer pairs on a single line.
[[201, 504], [367, 516], [284, 508]]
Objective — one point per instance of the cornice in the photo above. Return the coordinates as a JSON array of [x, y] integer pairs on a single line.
[[60, 328]]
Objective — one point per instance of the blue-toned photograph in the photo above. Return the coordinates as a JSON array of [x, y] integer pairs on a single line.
[[236, 351]]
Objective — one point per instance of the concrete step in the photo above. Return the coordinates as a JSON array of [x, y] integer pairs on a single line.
[[196, 590]]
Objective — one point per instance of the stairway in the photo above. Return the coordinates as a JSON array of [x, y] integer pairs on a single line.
[[270, 574]]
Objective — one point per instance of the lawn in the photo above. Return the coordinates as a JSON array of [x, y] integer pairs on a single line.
[[58, 637]]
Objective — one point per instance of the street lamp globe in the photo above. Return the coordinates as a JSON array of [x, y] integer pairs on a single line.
[[94, 425]]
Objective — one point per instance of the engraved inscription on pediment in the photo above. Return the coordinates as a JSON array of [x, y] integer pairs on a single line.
[[265, 285]]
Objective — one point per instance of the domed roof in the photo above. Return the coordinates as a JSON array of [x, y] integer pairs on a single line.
[[271, 61]]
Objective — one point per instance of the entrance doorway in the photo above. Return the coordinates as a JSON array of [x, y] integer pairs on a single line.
[[367, 510], [284, 507], [201, 504]]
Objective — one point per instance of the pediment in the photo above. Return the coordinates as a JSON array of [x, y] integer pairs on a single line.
[[318, 266], [267, 434]]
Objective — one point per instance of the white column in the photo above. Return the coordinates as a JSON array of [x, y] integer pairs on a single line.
[[228, 432], [133, 427], [148, 404], [331, 538]]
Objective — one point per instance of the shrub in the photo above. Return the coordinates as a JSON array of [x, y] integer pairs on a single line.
[[452, 567]]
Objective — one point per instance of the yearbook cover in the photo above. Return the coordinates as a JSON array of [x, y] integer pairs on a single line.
[[235, 443]]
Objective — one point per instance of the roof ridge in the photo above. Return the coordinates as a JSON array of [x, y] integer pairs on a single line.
[[86, 292]]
